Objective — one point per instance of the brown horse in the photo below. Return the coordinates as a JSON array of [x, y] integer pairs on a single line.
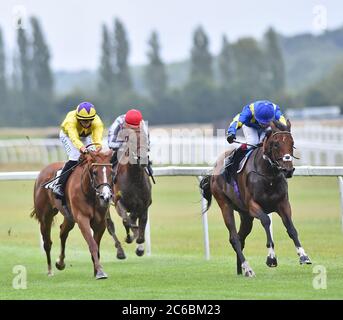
[[88, 193], [259, 189], [132, 188]]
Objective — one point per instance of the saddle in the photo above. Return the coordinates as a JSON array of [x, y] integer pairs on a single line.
[[234, 163]]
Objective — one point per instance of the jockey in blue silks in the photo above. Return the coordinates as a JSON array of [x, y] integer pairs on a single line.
[[254, 121]]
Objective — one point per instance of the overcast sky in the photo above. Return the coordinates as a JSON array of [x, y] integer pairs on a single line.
[[73, 27]]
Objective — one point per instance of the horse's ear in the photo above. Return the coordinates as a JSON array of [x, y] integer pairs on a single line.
[[288, 125], [272, 127]]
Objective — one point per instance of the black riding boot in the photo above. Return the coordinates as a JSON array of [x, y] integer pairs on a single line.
[[232, 162], [59, 187], [114, 161]]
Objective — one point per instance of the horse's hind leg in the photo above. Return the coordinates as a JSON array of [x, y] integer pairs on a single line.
[[45, 229], [229, 219], [143, 218], [285, 212], [244, 231], [111, 230], [65, 228]]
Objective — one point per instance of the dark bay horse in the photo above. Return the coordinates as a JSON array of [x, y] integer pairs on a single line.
[[132, 189], [260, 188], [88, 193]]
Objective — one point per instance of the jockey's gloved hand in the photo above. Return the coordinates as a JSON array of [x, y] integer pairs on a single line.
[[83, 150], [231, 137]]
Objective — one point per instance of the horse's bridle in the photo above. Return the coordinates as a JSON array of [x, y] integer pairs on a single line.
[[91, 178], [97, 187], [275, 162]]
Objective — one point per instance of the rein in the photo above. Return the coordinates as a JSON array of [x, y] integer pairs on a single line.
[[70, 169]]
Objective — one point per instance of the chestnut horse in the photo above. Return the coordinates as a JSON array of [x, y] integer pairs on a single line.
[[259, 189], [132, 188], [87, 193]]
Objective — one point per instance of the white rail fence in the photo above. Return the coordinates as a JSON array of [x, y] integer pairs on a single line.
[[199, 172], [316, 145]]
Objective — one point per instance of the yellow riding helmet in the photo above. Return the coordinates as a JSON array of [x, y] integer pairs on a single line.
[[85, 111]]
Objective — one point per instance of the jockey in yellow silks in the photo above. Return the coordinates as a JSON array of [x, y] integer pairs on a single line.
[[80, 128]]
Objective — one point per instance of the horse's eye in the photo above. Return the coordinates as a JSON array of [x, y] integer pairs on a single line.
[[276, 145], [95, 173]]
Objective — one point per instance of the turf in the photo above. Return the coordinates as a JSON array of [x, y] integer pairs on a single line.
[[177, 268]]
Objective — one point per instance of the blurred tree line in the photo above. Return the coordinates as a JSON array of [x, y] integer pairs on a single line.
[[217, 87]]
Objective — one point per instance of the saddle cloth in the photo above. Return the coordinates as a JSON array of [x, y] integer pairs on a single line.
[[52, 184], [244, 161]]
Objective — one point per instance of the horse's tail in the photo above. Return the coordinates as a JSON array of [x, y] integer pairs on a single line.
[[205, 187], [33, 213]]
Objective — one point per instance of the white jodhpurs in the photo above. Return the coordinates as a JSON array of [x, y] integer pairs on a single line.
[[73, 152], [252, 135]]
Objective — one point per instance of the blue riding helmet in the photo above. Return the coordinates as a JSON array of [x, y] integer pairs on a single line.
[[264, 112]]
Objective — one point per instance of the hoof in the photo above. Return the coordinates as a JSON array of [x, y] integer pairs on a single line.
[[305, 260], [60, 266], [129, 239], [100, 275], [50, 273], [249, 274], [139, 252], [271, 262], [247, 271], [121, 255]]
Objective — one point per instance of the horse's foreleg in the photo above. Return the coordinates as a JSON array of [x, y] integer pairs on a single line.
[[257, 212], [285, 212], [85, 228], [111, 230], [98, 230], [65, 228], [143, 218], [244, 231]]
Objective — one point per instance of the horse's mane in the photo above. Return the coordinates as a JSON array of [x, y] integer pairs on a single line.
[[97, 156]]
